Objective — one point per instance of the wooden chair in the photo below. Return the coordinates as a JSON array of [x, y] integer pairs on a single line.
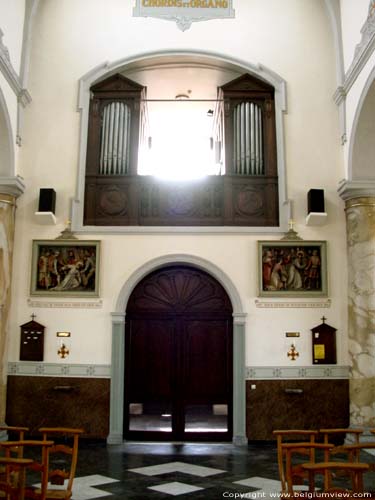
[[15, 429], [354, 471], [295, 474], [65, 452], [38, 453], [329, 433], [9, 488], [354, 451], [8, 474], [20, 435], [282, 437]]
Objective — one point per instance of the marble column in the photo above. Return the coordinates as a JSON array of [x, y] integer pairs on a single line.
[[10, 189], [360, 218]]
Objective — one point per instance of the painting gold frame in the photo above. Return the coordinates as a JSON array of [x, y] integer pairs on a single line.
[[65, 268], [292, 269]]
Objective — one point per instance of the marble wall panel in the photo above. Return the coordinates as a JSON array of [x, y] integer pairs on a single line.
[[295, 404], [59, 401], [7, 212], [360, 213]]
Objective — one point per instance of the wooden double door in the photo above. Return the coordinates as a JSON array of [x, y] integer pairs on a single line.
[[178, 358]]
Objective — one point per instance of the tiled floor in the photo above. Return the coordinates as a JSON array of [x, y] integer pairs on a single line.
[[186, 471]]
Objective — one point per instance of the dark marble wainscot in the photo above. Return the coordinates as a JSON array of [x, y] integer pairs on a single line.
[[34, 402], [295, 403]]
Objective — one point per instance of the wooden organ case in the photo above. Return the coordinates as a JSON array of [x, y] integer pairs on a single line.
[[244, 193]]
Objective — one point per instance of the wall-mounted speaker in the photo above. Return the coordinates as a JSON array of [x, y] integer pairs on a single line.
[[315, 201], [47, 200]]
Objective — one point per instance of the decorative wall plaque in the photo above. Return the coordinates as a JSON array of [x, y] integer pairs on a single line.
[[32, 341], [324, 344], [184, 12]]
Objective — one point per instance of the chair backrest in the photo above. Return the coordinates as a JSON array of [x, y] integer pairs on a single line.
[[330, 433], [354, 450], [19, 432], [64, 451], [287, 435]]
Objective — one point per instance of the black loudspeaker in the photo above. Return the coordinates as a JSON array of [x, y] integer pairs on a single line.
[[315, 201], [47, 200]]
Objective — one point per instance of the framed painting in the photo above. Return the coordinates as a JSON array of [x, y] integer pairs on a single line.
[[292, 268], [65, 268]]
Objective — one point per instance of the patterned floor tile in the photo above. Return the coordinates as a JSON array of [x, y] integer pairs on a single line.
[[186, 468], [175, 488], [83, 487]]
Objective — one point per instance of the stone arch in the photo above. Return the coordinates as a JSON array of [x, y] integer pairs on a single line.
[[195, 261], [118, 343], [362, 146], [7, 167]]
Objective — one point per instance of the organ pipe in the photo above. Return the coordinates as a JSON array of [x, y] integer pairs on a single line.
[[248, 139], [115, 139]]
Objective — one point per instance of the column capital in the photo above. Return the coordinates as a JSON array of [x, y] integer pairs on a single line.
[[356, 189], [13, 186]]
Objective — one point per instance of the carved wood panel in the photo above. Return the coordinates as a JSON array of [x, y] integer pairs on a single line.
[[179, 290], [216, 201]]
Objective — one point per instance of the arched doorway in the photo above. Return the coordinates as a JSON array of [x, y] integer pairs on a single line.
[[178, 357]]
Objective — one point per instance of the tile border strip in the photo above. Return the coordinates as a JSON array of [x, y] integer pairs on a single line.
[[297, 372], [40, 369]]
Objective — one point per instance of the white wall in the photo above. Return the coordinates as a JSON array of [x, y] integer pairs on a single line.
[[291, 38]]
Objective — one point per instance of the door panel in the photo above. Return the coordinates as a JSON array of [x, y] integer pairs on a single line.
[[208, 361], [178, 359], [150, 360]]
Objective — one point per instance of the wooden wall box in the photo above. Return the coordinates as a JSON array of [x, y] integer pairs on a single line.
[[32, 341], [323, 344]]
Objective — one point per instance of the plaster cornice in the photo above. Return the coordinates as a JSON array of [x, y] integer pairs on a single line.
[[13, 186], [356, 189], [363, 50], [11, 76]]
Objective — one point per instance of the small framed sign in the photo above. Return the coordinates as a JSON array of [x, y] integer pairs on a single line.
[[184, 12]]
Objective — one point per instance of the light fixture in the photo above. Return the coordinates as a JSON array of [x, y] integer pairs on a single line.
[[63, 345], [181, 97]]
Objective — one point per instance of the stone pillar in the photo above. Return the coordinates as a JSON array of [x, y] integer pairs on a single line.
[[360, 217], [10, 189]]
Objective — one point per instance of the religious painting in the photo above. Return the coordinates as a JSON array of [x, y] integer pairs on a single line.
[[65, 268], [292, 268]]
